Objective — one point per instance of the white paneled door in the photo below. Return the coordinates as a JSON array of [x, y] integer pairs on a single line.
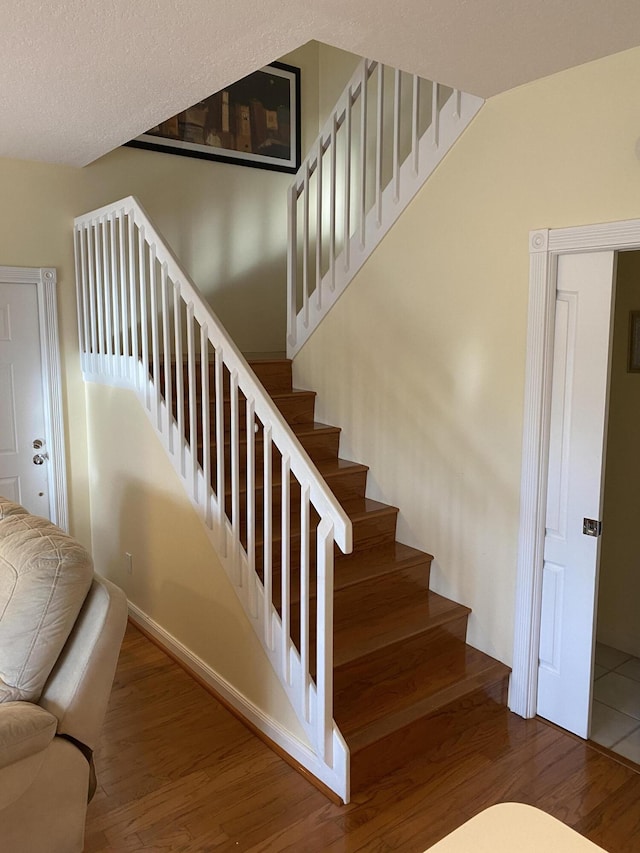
[[574, 498], [24, 455]]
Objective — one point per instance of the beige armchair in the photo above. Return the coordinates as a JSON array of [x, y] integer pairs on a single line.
[[60, 633]]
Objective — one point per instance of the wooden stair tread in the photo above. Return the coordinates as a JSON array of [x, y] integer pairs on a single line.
[[360, 566], [388, 610], [276, 396], [329, 468], [304, 430], [357, 508], [385, 692], [309, 428], [361, 512], [295, 392]]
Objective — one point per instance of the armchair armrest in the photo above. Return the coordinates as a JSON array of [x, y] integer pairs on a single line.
[[25, 729]]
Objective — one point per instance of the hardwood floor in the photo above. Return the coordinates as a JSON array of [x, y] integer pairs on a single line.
[[177, 772]]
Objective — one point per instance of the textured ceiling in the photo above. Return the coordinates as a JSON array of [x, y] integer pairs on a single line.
[[79, 78]]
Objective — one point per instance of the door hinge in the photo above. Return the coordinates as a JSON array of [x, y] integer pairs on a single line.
[[591, 527]]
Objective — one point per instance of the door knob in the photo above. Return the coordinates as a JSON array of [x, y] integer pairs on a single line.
[[39, 458]]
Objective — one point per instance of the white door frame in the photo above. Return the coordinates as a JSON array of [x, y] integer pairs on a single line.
[[544, 248], [45, 280]]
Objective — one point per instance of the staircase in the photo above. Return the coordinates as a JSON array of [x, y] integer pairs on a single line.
[[374, 664], [401, 665]]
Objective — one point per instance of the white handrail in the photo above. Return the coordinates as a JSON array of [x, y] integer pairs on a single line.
[[144, 325], [373, 153]]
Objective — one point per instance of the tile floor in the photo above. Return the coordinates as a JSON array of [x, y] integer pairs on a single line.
[[615, 714]]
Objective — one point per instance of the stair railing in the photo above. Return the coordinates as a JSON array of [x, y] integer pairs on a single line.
[[387, 133], [144, 325]]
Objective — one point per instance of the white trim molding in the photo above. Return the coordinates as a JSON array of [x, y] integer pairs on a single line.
[[545, 246], [45, 281]]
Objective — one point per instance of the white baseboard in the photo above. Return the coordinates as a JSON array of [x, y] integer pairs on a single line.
[[283, 739]]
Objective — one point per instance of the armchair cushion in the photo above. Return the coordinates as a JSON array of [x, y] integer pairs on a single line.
[[25, 730], [44, 579]]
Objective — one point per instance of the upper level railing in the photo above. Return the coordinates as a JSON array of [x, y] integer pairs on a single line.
[[387, 133], [144, 325]]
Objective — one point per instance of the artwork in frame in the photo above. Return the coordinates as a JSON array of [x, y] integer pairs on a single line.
[[634, 342], [254, 122]]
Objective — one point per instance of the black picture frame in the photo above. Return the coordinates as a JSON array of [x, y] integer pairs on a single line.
[[254, 122]]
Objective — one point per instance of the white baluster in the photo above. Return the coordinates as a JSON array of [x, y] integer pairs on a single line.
[[115, 295], [397, 94], [319, 225], [191, 381], [144, 328], [305, 247], [166, 356], [292, 262], [267, 533], [99, 293], [415, 124], [235, 473], [251, 505], [333, 188], [347, 181], [92, 295], [206, 423], [285, 547], [177, 330], [379, 140], [435, 115], [220, 489], [155, 342], [79, 295], [133, 295], [86, 339], [364, 116], [106, 292], [304, 597], [124, 307], [324, 629]]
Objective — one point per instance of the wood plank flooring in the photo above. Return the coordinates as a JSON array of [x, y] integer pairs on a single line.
[[177, 772]]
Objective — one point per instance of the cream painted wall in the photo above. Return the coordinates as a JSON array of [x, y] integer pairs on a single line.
[[429, 340], [619, 590], [226, 223], [335, 68], [139, 506]]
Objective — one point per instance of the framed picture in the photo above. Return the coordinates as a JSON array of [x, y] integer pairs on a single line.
[[634, 342], [254, 122]]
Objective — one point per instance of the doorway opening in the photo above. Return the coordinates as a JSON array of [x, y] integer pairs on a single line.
[[546, 248], [615, 709]]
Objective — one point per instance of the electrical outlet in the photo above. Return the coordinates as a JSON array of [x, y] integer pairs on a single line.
[[129, 560]]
